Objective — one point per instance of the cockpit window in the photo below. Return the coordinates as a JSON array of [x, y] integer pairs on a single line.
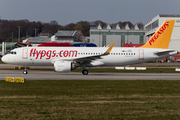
[[12, 52]]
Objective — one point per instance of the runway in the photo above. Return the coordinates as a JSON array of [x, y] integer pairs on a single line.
[[51, 75]]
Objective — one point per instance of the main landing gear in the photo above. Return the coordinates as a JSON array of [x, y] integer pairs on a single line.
[[85, 72], [25, 71]]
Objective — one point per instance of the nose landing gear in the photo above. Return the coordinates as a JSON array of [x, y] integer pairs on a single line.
[[25, 71]]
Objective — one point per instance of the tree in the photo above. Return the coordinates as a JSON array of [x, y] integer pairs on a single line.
[[78, 27], [54, 23]]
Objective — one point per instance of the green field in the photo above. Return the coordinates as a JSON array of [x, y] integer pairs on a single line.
[[90, 99]]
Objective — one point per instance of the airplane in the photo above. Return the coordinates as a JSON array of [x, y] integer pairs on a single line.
[[65, 59]]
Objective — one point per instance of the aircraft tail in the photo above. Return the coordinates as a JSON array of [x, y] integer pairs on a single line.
[[161, 37]]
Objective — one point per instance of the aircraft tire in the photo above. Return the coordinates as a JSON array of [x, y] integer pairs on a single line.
[[85, 72], [25, 72]]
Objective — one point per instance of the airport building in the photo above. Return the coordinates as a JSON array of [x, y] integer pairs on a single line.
[[69, 36], [60, 36], [117, 33], [152, 26]]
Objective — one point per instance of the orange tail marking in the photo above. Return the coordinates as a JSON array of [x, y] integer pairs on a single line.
[[161, 37]]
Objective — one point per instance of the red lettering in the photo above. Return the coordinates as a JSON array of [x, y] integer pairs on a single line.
[[48, 54], [66, 53], [60, 53], [150, 42], [54, 53], [34, 52], [156, 35], [37, 53], [159, 32], [73, 52], [43, 53], [166, 25], [31, 52]]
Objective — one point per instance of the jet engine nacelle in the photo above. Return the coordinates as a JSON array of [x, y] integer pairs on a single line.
[[63, 66]]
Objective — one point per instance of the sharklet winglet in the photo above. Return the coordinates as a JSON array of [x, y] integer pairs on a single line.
[[109, 50]]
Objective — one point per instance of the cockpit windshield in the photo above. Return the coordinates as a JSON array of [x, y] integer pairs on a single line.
[[12, 52]]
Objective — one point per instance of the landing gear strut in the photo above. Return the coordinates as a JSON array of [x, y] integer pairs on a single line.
[[85, 72], [25, 71]]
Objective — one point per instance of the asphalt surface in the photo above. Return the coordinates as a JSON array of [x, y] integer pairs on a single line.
[[7, 71], [50, 75]]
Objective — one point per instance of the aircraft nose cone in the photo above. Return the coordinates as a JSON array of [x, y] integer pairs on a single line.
[[4, 59]]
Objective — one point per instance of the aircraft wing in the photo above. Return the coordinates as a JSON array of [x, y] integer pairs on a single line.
[[90, 58]]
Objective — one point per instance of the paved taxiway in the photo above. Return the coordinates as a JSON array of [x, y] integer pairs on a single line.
[[7, 71], [51, 75]]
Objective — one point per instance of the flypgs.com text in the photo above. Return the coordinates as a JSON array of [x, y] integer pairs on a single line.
[[52, 53]]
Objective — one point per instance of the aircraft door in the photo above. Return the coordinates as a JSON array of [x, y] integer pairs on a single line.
[[25, 53], [141, 54]]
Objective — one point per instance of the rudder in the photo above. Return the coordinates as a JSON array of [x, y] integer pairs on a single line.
[[161, 37]]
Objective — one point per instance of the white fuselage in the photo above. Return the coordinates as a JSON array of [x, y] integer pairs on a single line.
[[119, 56]]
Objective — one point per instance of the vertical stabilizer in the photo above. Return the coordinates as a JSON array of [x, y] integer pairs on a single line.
[[161, 37]]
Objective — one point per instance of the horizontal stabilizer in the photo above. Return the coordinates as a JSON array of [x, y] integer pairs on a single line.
[[167, 52]]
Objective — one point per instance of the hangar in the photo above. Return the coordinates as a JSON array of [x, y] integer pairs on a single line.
[[151, 27], [103, 35]]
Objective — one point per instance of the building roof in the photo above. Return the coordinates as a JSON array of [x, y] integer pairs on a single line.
[[65, 33], [38, 40], [120, 25], [164, 15]]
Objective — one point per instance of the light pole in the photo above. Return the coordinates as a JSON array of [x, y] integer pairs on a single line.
[[35, 31], [0, 32], [12, 41], [19, 33]]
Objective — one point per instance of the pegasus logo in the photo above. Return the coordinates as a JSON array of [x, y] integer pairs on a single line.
[[158, 33]]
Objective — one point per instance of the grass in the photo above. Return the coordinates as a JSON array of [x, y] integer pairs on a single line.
[[90, 99]]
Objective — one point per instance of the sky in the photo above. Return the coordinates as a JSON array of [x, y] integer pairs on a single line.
[[73, 11]]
